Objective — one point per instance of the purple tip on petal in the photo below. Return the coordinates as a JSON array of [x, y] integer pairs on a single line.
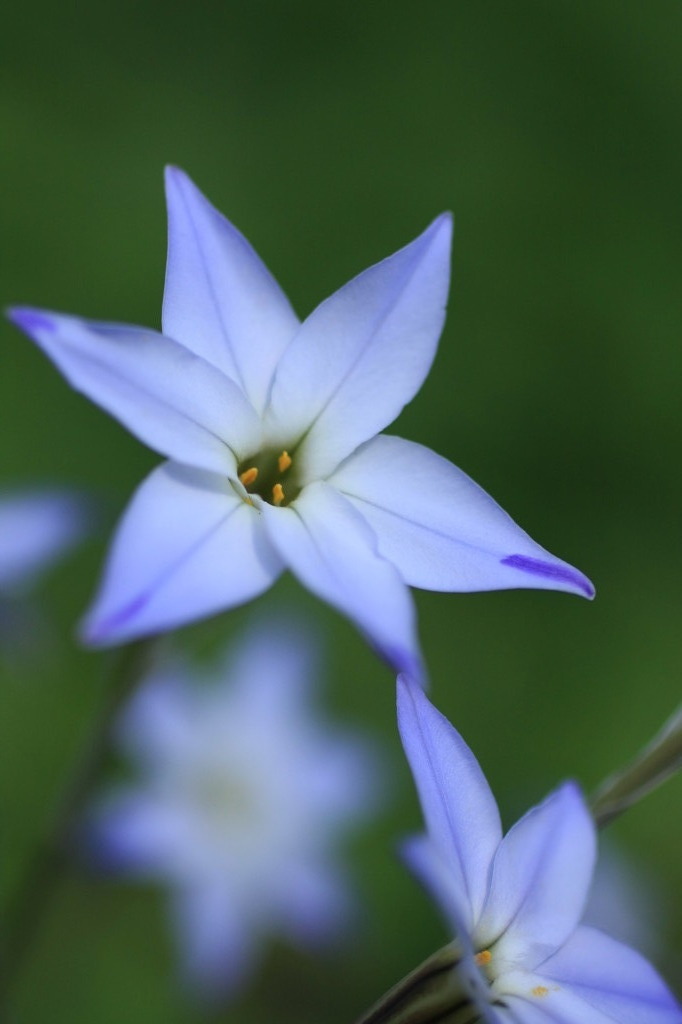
[[104, 634], [30, 320], [550, 571]]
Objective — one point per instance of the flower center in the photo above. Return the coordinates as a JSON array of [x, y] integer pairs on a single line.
[[483, 958], [225, 801], [270, 475]]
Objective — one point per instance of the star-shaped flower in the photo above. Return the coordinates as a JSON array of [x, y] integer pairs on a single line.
[[243, 799], [271, 428], [515, 902]]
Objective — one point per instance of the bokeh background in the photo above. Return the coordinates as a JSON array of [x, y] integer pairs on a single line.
[[331, 134]]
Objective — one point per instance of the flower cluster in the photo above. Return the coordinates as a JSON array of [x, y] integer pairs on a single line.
[[271, 429]]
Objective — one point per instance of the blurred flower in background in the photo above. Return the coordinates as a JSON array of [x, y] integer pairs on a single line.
[[37, 528], [272, 431], [629, 902], [243, 797]]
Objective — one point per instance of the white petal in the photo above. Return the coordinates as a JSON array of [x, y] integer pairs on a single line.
[[315, 901], [133, 832], [362, 354], [273, 670], [36, 528], [461, 815], [158, 723], [551, 1007], [331, 549], [217, 941], [220, 300], [444, 885], [441, 530], [628, 902], [612, 979], [171, 399], [540, 878], [186, 548]]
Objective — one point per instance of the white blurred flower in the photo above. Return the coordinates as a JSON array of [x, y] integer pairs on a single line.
[[36, 528], [627, 901], [242, 798]]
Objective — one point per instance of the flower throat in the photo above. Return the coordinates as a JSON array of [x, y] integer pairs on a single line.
[[269, 475]]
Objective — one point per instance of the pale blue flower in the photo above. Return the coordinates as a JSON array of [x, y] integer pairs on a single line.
[[243, 798], [516, 902], [272, 429], [629, 902], [37, 527]]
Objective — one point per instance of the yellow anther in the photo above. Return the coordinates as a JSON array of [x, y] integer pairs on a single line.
[[249, 476], [284, 461], [277, 494], [540, 991], [483, 958]]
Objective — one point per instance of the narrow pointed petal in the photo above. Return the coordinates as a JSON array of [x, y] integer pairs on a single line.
[[439, 528], [433, 869], [363, 353], [540, 878], [330, 548], [220, 300], [172, 400], [461, 814], [610, 978], [186, 548]]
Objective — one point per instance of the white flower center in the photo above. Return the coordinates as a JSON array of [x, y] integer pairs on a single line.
[[227, 802]]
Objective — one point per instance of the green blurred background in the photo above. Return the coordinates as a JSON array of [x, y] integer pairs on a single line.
[[331, 134]]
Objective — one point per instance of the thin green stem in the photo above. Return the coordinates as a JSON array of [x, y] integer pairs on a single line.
[[433, 993], [658, 761], [46, 868]]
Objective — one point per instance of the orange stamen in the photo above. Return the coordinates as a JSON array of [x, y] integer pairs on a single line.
[[277, 494], [249, 476], [284, 461]]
